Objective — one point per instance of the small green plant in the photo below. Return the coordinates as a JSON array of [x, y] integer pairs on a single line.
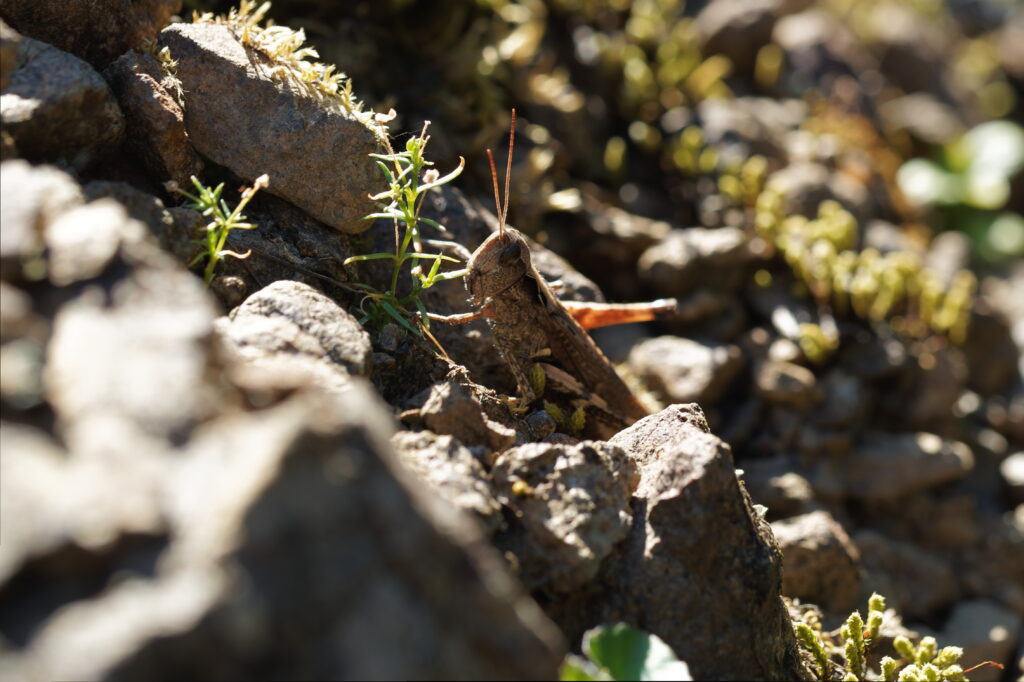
[[409, 176], [970, 183], [209, 202], [920, 663], [894, 288], [621, 652]]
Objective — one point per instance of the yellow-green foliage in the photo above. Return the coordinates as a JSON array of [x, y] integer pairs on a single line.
[[894, 287], [921, 662], [290, 59]]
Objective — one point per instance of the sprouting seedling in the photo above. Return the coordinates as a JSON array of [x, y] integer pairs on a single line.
[[503, 208], [223, 220]]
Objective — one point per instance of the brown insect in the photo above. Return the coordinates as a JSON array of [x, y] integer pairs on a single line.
[[531, 326]]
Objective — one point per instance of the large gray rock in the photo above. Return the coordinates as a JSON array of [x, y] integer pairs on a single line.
[[237, 114], [155, 122], [30, 199], [682, 370], [693, 526], [820, 563], [97, 31], [571, 506], [58, 109], [889, 466], [289, 327]]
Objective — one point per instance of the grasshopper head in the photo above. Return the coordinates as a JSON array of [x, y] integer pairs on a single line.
[[501, 261]]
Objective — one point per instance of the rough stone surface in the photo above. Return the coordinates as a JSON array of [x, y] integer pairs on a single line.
[[681, 370], [155, 123], [571, 506], [175, 228], [296, 328], [97, 31], [785, 383], [198, 514], [986, 631], [737, 29], [58, 109], [695, 257], [692, 525], [30, 199], [451, 408], [452, 471], [889, 466], [915, 582], [820, 563], [773, 483], [239, 116]]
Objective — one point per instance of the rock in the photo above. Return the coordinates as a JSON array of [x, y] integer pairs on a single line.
[[176, 229], [773, 483], [452, 471], [451, 408], [240, 117], [915, 582], [1012, 472], [737, 29], [155, 123], [58, 109], [571, 505], [681, 370], [783, 383], [295, 545], [820, 563], [804, 185], [97, 31], [693, 525], [990, 352], [686, 259], [887, 466], [294, 329], [30, 198], [986, 631], [286, 244], [10, 42], [926, 118], [846, 401], [84, 241]]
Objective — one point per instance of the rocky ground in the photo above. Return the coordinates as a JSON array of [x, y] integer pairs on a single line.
[[241, 480]]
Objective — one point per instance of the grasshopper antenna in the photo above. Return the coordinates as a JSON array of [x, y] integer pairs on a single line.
[[503, 209]]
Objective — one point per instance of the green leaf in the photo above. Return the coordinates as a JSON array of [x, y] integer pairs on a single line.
[[368, 256], [398, 317], [454, 274], [996, 147], [631, 654], [438, 256], [576, 669]]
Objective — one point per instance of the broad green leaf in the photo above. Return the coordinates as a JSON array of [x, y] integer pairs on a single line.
[[995, 147], [926, 183], [631, 654]]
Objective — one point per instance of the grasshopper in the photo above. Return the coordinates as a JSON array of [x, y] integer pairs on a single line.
[[532, 327]]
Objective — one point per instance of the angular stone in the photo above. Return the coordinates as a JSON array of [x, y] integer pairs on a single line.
[[451, 408], [889, 466], [155, 124], [571, 506], [97, 31], [240, 116], [785, 383], [986, 631], [682, 370], [820, 563], [58, 109], [289, 328], [693, 526], [686, 259], [452, 471], [917, 583], [31, 197]]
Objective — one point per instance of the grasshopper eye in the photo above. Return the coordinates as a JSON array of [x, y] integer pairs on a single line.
[[510, 254]]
